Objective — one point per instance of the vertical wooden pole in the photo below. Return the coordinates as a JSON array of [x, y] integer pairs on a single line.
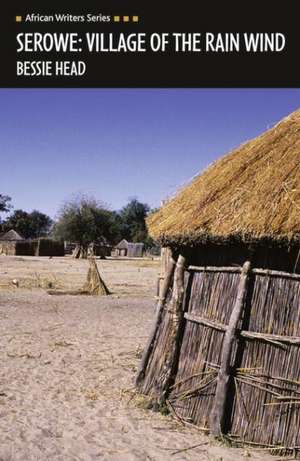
[[218, 412], [157, 321], [37, 250], [166, 254], [177, 319]]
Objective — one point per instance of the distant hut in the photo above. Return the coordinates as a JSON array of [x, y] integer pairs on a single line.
[[11, 235], [224, 351], [9, 242], [129, 249], [13, 244]]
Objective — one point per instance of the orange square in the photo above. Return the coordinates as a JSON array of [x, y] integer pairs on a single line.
[[125, 18], [135, 19], [18, 18]]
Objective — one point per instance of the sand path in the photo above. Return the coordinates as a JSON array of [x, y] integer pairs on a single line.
[[67, 369]]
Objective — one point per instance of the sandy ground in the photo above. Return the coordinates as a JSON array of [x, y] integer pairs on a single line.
[[68, 364]]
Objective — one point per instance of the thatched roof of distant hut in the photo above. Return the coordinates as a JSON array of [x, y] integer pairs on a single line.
[[252, 193], [124, 244], [11, 235]]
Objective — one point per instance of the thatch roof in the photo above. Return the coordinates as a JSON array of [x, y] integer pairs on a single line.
[[251, 193], [126, 245], [11, 235], [122, 245]]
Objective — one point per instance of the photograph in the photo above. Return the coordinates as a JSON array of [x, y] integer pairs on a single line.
[[149, 252]]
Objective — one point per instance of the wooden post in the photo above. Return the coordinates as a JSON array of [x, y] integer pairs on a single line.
[[166, 254], [37, 250], [177, 319], [157, 321], [218, 412]]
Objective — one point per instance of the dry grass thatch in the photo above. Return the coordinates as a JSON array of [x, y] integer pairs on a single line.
[[94, 284], [251, 193]]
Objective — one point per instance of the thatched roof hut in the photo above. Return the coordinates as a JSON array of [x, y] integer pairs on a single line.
[[13, 244], [250, 194], [129, 249], [11, 235], [245, 204], [224, 349], [9, 241]]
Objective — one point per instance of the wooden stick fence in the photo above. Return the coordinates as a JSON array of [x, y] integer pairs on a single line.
[[197, 366]]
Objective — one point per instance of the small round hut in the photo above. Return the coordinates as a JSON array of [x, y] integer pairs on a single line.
[[224, 351]]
